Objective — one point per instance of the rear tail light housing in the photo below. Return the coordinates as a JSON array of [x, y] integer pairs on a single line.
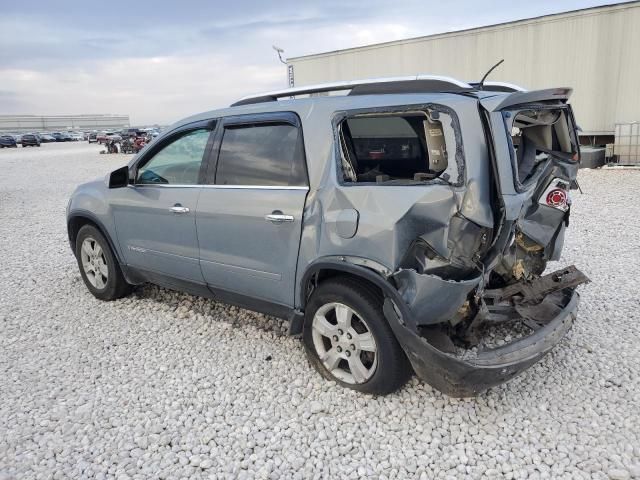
[[556, 195]]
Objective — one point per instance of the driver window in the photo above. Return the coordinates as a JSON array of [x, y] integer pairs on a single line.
[[178, 163]]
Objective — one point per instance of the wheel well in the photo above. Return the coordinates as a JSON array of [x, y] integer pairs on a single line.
[[326, 274], [77, 222]]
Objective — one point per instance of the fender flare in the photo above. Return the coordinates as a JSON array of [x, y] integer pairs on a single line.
[[92, 219], [365, 273]]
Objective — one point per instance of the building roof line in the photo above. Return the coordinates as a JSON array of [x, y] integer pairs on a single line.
[[559, 15]]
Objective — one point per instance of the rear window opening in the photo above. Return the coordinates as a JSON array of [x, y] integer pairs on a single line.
[[398, 148], [538, 134]]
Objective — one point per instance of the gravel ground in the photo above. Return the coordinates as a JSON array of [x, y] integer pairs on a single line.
[[166, 385]]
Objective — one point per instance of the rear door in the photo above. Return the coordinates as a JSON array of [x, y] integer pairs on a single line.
[[155, 217], [249, 215]]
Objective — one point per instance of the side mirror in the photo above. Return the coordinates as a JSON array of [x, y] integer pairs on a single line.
[[119, 178]]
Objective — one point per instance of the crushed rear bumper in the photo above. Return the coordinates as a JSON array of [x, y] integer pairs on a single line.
[[464, 377]]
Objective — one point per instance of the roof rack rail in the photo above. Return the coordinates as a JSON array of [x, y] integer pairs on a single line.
[[499, 87], [405, 84]]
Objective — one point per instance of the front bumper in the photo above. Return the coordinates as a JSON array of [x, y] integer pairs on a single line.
[[458, 377]]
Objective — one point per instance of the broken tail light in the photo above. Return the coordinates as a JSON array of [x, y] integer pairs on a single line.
[[556, 195]]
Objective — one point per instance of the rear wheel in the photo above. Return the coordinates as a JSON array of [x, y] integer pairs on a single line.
[[99, 268], [348, 339]]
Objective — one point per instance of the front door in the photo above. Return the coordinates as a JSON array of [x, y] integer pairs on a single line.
[[155, 217], [249, 215]]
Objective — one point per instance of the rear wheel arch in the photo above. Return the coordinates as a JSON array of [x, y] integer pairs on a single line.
[[317, 274], [322, 270]]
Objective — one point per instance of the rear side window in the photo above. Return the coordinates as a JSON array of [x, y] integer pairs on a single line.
[[269, 154], [398, 147]]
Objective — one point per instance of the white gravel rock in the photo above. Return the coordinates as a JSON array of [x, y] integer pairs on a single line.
[[165, 385], [619, 474]]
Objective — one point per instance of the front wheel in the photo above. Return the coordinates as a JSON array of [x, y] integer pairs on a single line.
[[98, 266], [348, 339]]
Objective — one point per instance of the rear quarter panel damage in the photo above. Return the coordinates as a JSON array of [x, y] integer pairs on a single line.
[[391, 218]]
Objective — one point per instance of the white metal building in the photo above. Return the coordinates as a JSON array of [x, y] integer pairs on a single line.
[[51, 123], [596, 51]]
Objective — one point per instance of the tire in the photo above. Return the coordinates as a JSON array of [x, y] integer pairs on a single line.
[[104, 283], [386, 368]]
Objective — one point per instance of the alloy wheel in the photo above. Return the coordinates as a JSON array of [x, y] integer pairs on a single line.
[[344, 343], [94, 263]]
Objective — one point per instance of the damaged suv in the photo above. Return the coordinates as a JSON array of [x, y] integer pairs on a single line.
[[401, 225]]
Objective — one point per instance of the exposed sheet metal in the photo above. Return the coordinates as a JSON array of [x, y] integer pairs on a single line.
[[433, 299]]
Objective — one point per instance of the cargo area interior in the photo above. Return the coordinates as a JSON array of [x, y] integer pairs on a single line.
[[402, 147], [538, 133]]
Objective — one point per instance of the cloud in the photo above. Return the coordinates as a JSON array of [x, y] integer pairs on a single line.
[[160, 62], [153, 90]]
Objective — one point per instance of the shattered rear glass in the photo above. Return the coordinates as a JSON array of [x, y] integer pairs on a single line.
[[537, 134]]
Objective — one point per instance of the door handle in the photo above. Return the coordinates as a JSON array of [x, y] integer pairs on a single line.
[[278, 218], [177, 208]]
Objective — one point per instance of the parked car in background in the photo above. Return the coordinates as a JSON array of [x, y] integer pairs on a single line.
[[62, 137], [8, 141], [30, 140], [93, 137], [76, 136], [133, 133], [101, 137], [399, 228], [114, 137], [46, 138], [17, 137]]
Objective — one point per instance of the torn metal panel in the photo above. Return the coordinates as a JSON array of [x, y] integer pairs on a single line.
[[433, 299], [467, 242], [536, 290]]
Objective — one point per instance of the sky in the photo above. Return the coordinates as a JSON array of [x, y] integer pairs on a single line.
[[161, 61]]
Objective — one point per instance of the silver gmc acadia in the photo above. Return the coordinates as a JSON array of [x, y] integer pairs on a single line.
[[401, 225]]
